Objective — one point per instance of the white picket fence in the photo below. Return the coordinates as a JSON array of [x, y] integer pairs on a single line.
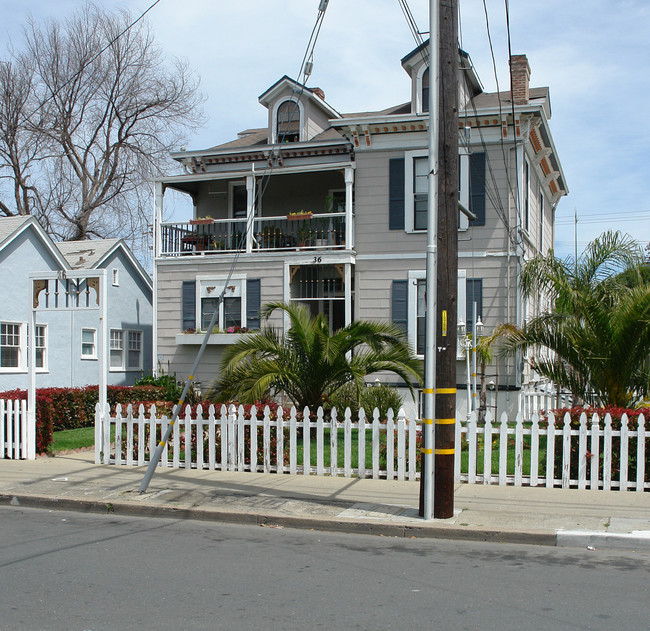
[[13, 429], [515, 453]]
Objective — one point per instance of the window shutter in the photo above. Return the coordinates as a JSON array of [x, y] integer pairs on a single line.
[[396, 194], [477, 188], [253, 302], [474, 295], [399, 303], [188, 305]]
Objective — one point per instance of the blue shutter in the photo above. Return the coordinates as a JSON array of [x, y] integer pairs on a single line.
[[399, 304], [253, 302], [396, 194], [188, 305], [474, 295], [477, 188]]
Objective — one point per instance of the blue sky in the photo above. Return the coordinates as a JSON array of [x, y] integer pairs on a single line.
[[593, 54]]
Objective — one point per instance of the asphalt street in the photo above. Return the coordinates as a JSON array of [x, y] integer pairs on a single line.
[[61, 570]]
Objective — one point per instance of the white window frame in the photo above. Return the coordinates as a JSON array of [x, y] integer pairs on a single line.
[[301, 124], [419, 104], [128, 350], [22, 349], [43, 328], [115, 277], [211, 287], [463, 193], [461, 301], [124, 349], [232, 185], [113, 337], [93, 356], [409, 193]]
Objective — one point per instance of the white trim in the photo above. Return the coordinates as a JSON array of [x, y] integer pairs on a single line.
[[115, 277], [22, 349], [409, 206], [44, 367], [412, 306], [211, 286], [274, 118], [422, 255], [232, 184], [81, 349], [412, 297], [418, 89]]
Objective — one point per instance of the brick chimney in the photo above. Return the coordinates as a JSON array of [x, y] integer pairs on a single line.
[[520, 71], [319, 93]]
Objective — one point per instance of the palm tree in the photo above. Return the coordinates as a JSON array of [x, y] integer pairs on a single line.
[[310, 363], [597, 332]]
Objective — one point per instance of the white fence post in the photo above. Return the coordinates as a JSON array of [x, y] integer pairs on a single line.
[[239, 450]]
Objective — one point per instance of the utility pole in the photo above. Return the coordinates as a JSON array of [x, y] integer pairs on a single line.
[[447, 273], [427, 467]]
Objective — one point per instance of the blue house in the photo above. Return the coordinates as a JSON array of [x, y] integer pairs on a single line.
[[66, 341]]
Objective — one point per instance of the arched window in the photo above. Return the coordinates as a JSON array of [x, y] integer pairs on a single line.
[[424, 92], [288, 122]]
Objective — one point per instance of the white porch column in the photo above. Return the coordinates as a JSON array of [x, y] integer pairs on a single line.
[[29, 448], [250, 210], [348, 293], [158, 194], [349, 227]]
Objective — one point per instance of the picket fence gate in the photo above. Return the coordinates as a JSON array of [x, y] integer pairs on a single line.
[[13, 429], [560, 455]]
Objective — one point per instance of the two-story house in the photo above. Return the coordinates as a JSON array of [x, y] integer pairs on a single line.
[[329, 210]]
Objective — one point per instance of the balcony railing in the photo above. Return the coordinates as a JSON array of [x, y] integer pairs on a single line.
[[218, 236]]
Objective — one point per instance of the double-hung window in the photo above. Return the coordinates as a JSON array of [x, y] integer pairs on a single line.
[[125, 350], [11, 347], [117, 349], [41, 346], [232, 308], [88, 344]]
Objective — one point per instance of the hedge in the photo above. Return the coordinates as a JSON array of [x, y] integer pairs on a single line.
[[70, 408]]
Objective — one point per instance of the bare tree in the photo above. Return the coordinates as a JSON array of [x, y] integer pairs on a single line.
[[90, 110]]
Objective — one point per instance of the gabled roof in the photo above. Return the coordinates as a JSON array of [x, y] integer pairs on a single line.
[[269, 95], [12, 227], [91, 254], [86, 254]]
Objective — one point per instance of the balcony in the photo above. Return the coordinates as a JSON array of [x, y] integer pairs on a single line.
[[323, 231]]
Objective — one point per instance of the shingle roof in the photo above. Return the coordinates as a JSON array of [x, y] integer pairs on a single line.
[[9, 225], [85, 254]]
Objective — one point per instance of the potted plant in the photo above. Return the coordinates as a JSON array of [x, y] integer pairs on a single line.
[[299, 215], [199, 221]]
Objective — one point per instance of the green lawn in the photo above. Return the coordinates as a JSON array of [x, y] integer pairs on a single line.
[[85, 437], [73, 439]]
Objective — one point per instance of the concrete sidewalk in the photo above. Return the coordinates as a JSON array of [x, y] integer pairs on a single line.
[[602, 519]]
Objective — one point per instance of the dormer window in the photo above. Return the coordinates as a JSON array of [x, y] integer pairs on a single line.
[[424, 91], [288, 122]]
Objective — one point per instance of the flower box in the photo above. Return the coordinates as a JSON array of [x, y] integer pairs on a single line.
[[201, 221], [294, 216]]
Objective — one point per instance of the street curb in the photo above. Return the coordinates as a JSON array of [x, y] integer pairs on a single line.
[[328, 524], [604, 540]]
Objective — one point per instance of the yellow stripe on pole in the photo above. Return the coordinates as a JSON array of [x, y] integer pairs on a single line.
[[428, 390], [426, 451], [445, 421], [427, 421], [190, 377], [446, 390], [445, 452], [162, 443]]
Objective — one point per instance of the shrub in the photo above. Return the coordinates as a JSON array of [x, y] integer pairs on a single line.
[[383, 397], [45, 414], [616, 414]]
